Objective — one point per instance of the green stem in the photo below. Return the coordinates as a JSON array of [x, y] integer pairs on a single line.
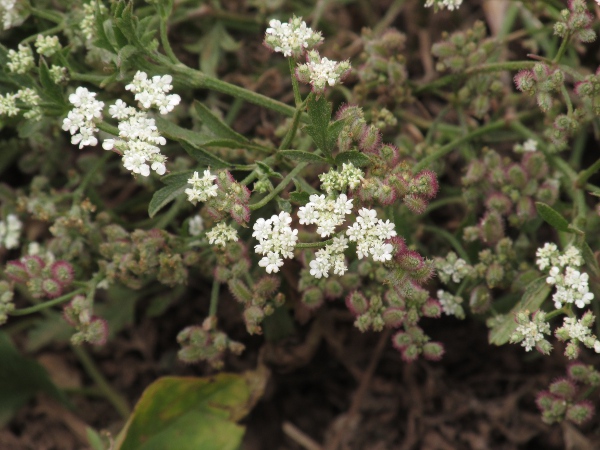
[[459, 199], [556, 312], [280, 187], [164, 38], [108, 128], [214, 299], [48, 304], [297, 97], [166, 219], [562, 49], [116, 399], [47, 32], [314, 244], [584, 175], [289, 136], [565, 95], [89, 176], [51, 16]]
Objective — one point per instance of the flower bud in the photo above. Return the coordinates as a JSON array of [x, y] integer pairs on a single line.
[[525, 81], [333, 289], [16, 271], [253, 316], [370, 139], [389, 154], [433, 351], [480, 299], [580, 412], [425, 183], [424, 273], [222, 274], [240, 291], [494, 275], [572, 350], [240, 213], [563, 388], [313, 297], [535, 165], [491, 228], [398, 183], [34, 265], [516, 176], [412, 317], [393, 317], [431, 308], [578, 372], [415, 203], [266, 286], [62, 272], [363, 322], [357, 303], [410, 353], [548, 192], [97, 331], [499, 202], [409, 260], [51, 288], [401, 340], [544, 347], [544, 101]]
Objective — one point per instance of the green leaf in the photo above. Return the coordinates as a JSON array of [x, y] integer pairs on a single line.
[[20, 379], [299, 155], [333, 132], [553, 217], [216, 125], [164, 196], [319, 113], [204, 156], [590, 259], [284, 205], [193, 413], [532, 299], [94, 439], [300, 197], [50, 91], [178, 177], [357, 158], [267, 170]]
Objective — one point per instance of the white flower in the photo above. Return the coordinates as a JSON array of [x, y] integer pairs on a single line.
[[348, 177], [292, 38], [11, 13], [221, 233], [530, 332], [326, 213], [8, 105], [276, 239], [451, 304], [370, 234], [10, 232], [196, 225], [452, 268], [83, 117], [152, 92], [58, 74], [21, 61], [32, 100], [441, 4], [530, 145], [321, 72], [202, 188], [47, 45], [330, 257], [546, 255]]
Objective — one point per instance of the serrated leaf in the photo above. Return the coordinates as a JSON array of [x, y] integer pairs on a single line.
[[358, 159], [319, 113], [204, 156], [124, 55], [284, 205], [300, 197], [300, 155], [194, 413], [333, 131], [164, 196], [177, 177], [553, 217], [50, 90], [216, 125], [532, 299]]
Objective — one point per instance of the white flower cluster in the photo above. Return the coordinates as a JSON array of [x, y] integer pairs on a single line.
[[202, 188], [291, 38], [332, 256], [82, 118], [452, 268], [138, 132], [10, 232], [326, 213], [451, 304], [88, 22], [530, 332], [579, 331], [571, 284], [20, 61], [221, 233], [8, 105], [58, 74], [441, 4], [321, 72], [153, 92], [196, 225], [47, 45], [10, 13], [276, 240], [370, 234], [349, 177], [32, 100]]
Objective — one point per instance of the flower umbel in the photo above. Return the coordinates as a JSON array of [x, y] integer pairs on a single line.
[[202, 188], [221, 233], [292, 38], [276, 240], [321, 72]]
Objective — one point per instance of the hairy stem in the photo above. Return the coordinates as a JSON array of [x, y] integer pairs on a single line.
[[48, 304]]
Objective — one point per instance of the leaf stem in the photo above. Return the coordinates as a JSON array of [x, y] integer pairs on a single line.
[[297, 97], [314, 244], [280, 187], [48, 304], [214, 299], [164, 38]]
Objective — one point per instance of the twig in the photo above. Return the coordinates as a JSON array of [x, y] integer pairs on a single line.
[[299, 437]]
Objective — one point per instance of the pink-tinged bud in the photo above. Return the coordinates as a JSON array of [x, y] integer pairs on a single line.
[[389, 154], [410, 353], [386, 195], [393, 298], [266, 286], [97, 331], [491, 228], [494, 275], [62, 272], [313, 298], [476, 172], [370, 140], [399, 184], [240, 268], [409, 260], [51, 288], [415, 203], [525, 209], [525, 81], [499, 202], [433, 351], [544, 101], [432, 308], [393, 317], [563, 388], [333, 289], [581, 412], [401, 340], [480, 299], [398, 244], [303, 74], [535, 165], [240, 213], [425, 273], [516, 176], [544, 400], [253, 316], [240, 291], [34, 265], [578, 371], [357, 303], [214, 213], [16, 271], [584, 89], [547, 193], [427, 184]]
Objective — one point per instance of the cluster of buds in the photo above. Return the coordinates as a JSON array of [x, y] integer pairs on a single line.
[[6, 301], [414, 342], [540, 81], [388, 179], [43, 278], [259, 300], [79, 314], [589, 91], [576, 21], [383, 70], [530, 332], [232, 261], [132, 258], [206, 343], [562, 401], [464, 49], [575, 332], [480, 93], [321, 72], [497, 266], [452, 268], [221, 195], [510, 190]]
